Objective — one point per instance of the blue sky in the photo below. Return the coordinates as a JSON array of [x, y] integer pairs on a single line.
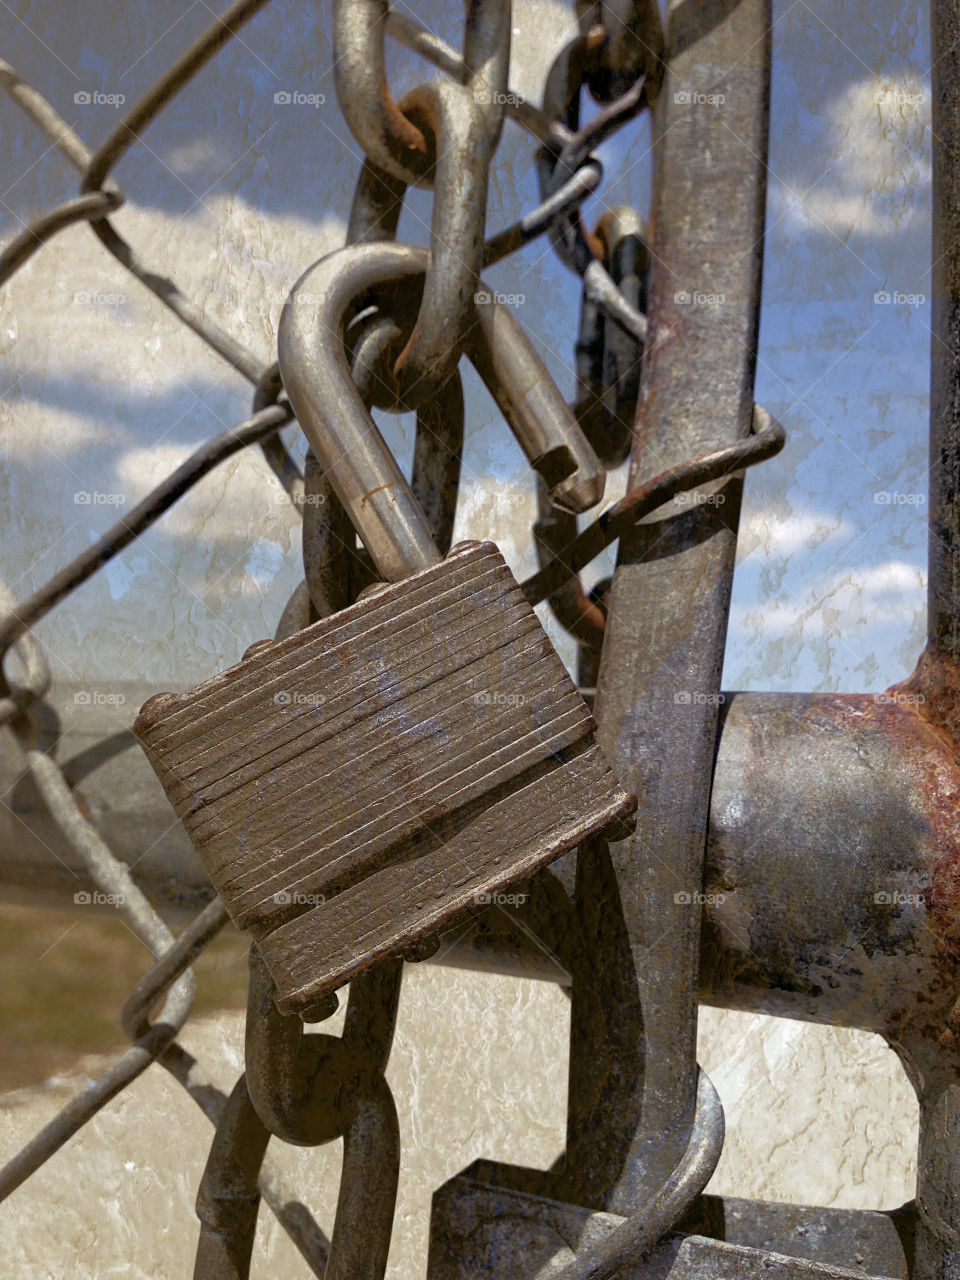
[[234, 196]]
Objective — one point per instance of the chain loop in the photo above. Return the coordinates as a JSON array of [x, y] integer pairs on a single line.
[[441, 135], [632, 44]]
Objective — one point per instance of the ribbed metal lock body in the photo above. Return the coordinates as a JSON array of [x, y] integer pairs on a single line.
[[366, 781]]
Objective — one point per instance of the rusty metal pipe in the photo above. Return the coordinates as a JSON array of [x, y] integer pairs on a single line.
[[882, 777]]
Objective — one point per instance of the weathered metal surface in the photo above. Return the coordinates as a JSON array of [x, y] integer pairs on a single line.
[[831, 894], [492, 1222], [659, 684], [353, 787], [943, 620], [929, 1048], [798, 799], [228, 1199]]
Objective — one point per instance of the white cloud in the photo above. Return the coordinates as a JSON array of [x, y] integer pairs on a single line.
[[840, 603], [779, 535], [83, 317], [875, 162], [239, 500]]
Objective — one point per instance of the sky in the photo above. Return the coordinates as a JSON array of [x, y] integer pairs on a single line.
[[233, 195]]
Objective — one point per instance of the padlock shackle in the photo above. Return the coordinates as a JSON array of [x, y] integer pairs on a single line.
[[348, 443], [331, 412]]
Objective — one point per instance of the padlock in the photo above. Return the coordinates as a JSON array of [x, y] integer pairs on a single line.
[[363, 783]]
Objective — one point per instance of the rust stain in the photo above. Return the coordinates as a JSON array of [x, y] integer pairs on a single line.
[[380, 487]]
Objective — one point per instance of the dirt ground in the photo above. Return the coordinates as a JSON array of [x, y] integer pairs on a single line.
[[65, 977]]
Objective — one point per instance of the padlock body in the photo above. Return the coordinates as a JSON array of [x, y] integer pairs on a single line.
[[362, 783]]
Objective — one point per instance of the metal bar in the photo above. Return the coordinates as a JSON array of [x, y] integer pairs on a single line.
[[809, 790], [943, 622], [667, 615], [931, 1054], [368, 1188]]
